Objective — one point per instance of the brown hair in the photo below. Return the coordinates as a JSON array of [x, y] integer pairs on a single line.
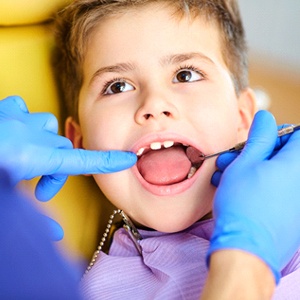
[[75, 23]]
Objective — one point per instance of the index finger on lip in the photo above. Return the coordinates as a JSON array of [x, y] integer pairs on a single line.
[[80, 161]]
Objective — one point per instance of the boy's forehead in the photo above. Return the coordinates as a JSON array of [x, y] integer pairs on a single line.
[[155, 7], [142, 22]]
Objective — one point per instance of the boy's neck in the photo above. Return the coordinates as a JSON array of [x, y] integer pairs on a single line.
[[142, 227]]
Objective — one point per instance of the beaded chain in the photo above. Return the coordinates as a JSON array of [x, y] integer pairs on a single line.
[[103, 239], [130, 228]]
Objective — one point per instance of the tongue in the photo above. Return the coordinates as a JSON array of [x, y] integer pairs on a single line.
[[165, 166]]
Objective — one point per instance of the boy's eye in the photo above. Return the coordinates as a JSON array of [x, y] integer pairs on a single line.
[[117, 87], [187, 76]]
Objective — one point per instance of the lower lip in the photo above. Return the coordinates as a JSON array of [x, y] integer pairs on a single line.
[[166, 190]]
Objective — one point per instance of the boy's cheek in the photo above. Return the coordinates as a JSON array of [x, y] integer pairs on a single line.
[[242, 135]]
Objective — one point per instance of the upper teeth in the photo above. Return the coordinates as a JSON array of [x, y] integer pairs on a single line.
[[140, 151], [168, 144], [156, 146]]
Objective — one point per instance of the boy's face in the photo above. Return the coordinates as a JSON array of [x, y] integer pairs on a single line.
[[151, 78]]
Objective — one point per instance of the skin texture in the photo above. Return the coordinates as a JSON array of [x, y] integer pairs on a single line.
[[204, 111]]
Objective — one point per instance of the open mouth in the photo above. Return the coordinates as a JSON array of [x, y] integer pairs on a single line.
[[168, 163]]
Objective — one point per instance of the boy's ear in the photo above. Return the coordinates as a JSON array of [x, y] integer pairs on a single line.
[[73, 132], [247, 109]]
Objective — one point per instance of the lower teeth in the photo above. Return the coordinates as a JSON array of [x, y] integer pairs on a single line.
[[192, 172]]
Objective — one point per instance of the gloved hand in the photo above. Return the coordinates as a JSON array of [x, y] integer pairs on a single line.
[[30, 147], [256, 205], [224, 160]]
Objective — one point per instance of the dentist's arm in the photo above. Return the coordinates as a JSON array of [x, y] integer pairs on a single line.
[[31, 266], [255, 206], [30, 147]]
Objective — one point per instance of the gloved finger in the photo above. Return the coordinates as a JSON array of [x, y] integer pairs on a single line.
[[53, 141], [56, 231], [46, 121], [290, 150], [282, 140], [20, 102], [43, 141], [13, 106], [262, 138], [80, 161], [216, 177], [224, 160], [48, 186]]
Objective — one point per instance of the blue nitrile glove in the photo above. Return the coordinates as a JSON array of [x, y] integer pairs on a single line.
[[30, 147], [31, 268], [256, 205], [224, 160]]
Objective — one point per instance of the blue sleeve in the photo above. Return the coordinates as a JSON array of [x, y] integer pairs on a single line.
[[31, 268]]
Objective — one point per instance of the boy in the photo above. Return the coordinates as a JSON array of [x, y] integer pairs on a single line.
[[168, 81]]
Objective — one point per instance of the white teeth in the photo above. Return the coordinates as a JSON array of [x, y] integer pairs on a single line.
[[140, 152], [168, 144], [155, 146], [192, 172]]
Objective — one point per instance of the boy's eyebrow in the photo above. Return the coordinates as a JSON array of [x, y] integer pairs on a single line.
[[122, 67], [182, 57]]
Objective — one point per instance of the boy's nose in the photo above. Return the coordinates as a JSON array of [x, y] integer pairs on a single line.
[[155, 109]]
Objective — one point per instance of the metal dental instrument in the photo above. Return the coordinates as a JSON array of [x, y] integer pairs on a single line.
[[240, 146]]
